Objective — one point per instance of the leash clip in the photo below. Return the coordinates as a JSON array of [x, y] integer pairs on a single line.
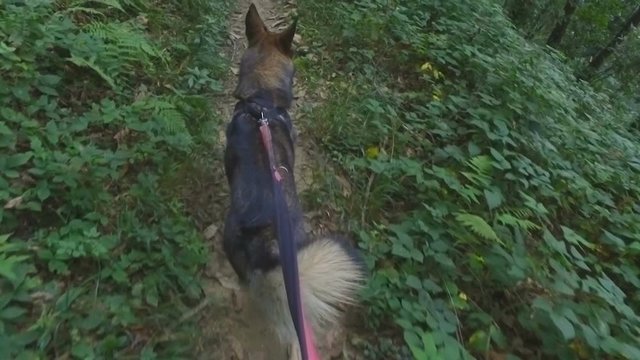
[[263, 120]]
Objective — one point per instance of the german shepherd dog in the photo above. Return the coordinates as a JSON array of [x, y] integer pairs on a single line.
[[331, 272]]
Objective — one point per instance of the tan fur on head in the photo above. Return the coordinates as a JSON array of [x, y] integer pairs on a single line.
[[263, 69], [329, 278], [267, 64]]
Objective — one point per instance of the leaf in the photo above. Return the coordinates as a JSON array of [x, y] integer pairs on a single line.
[[481, 164], [493, 197], [90, 64], [612, 239], [22, 93], [554, 243], [372, 152], [4, 129], [590, 336], [12, 312], [82, 350], [501, 163], [524, 224], [635, 247], [49, 79], [7, 265], [92, 320], [478, 226], [13, 116], [43, 192], [152, 296], [8, 52], [426, 66], [429, 345], [573, 238], [17, 160], [399, 250], [498, 337], [564, 325], [413, 342], [14, 202], [414, 282], [534, 205], [479, 341], [450, 349]]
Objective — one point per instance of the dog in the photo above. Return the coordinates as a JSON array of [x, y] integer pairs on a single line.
[[331, 270]]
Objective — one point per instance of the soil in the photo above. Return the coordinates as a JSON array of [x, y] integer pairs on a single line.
[[230, 327]]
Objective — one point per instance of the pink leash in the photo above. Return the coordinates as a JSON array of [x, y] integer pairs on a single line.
[[288, 254], [311, 347]]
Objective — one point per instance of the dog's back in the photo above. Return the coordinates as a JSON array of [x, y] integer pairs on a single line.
[[249, 236]]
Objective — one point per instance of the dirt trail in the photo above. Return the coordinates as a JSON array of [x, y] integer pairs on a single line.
[[231, 328]]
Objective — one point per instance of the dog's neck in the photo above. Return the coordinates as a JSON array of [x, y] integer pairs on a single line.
[[273, 98], [262, 105], [263, 101]]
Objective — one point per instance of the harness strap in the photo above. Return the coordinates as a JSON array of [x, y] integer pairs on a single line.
[[288, 252]]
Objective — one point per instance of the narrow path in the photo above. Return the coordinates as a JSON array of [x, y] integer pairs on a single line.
[[231, 328]]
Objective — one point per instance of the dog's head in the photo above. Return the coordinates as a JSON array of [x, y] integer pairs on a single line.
[[266, 65]]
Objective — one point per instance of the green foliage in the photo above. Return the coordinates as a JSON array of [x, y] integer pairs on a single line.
[[589, 29], [97, 257], [499, 205]]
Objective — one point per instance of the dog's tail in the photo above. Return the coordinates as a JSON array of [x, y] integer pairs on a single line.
[[331, 275]]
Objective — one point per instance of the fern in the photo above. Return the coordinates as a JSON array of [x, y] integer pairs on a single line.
[[124, 46], [124, 35], [481, 166], [93, 66], [172, 121], [522, 212], [478, 225], [168, 118], [523, 224]]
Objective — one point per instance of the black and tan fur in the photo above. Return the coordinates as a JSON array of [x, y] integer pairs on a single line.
[[330, 272]]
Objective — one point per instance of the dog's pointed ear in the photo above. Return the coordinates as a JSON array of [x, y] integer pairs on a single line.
[[254, 26], [285, 38]]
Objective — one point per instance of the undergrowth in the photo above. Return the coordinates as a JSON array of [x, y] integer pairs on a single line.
[[495, 196], [100, 103]]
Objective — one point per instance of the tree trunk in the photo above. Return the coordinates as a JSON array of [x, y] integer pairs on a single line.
[[561, 26], [606, 51]]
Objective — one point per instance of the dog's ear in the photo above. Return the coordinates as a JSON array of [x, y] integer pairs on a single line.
[[285, 38], [254, 26]]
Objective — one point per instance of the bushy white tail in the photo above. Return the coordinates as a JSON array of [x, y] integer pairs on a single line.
[[330, 277]]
